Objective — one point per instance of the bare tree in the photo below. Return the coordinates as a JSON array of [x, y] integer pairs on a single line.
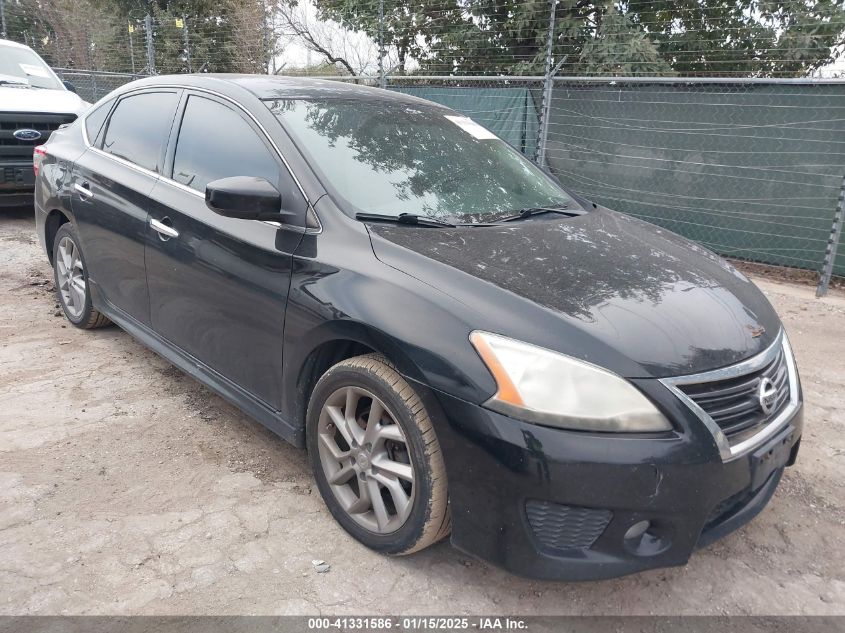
[[68, 33], [75, 28], [251, 37], [353, 51]]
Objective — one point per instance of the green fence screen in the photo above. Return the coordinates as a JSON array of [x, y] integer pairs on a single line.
[[749, 169]]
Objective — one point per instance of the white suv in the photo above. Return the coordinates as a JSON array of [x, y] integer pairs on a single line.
[[33, 103]]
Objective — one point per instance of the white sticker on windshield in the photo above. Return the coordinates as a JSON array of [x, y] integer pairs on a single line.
[[34, 71], [470, 126]]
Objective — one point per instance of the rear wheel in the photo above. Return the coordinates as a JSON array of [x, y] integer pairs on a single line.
[[376, 458], [71, 278]]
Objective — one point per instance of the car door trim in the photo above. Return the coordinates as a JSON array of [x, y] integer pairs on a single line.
[[170, 181]]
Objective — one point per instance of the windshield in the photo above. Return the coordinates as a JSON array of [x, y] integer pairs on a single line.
[[25, 66], [391, 158]]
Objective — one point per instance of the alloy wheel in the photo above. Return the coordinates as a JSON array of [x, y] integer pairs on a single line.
[[71, 277], [366, 461]]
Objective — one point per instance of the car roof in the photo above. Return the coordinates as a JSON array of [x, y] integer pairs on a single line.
[[275, 87], [13, 44]]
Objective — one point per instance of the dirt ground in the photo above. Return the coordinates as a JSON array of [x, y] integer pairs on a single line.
[[128, 488]]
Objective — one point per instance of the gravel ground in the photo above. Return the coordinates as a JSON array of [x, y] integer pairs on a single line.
[[128, 488]]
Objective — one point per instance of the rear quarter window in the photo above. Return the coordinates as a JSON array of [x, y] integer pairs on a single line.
[[95, 119], [139, 126]]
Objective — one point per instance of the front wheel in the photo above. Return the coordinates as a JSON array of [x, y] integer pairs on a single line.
[[376, 457], [71, 278]]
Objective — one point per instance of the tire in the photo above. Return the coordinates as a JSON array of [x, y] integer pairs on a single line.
[[76, 302], [425, 518]]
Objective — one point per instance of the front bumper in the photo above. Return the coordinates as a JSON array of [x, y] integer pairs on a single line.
[[17, 183], [553, 504]]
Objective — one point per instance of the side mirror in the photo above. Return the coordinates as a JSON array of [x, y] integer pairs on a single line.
[[70, 86], [245, 198]]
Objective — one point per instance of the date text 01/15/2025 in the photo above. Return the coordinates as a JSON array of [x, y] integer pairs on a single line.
[[418, 623]]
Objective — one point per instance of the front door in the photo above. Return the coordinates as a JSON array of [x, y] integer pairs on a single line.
[[218, 286]]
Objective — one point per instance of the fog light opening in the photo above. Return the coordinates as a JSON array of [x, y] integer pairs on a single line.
[[637, 530], [647, 538]]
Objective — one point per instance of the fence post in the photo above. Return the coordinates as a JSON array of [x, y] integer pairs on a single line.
[[151, 51], [3, 18], [832, 244], [265, 57], [543, 133], [381, 78], [187, 42], [131, 28], [268, 45], [89, 44]]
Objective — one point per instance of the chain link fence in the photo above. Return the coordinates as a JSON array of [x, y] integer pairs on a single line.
[[92, 85], [719, 123]]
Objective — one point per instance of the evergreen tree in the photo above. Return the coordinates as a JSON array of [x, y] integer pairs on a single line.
[[689, 37]]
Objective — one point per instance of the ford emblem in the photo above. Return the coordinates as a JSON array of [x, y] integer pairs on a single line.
[[27, 135]]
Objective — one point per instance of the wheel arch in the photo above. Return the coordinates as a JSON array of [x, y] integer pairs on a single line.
[[53, 222], [331, 344]]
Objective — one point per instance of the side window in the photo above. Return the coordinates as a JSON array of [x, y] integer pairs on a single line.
[[139, 126], [94, 121], [217, 142]]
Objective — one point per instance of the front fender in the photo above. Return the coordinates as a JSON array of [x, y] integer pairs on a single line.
[[347, 294]]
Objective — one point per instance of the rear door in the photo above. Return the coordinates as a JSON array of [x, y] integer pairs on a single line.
[[219, 286], [111, 185]]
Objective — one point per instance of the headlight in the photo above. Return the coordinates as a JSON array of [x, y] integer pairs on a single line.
[[538, 385]]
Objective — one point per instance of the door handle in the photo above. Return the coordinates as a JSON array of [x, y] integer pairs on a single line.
[[84, 189], [164, 231]]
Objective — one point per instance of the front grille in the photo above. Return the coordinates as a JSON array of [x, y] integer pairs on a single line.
[[734, 404], [561, 527], [13, 149]]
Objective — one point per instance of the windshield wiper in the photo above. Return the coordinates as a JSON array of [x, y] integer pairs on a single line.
[[563, 209], [403, 218], [10, 82]]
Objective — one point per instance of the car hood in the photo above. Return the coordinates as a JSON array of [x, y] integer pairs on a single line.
[[624, 294], [17, 99]]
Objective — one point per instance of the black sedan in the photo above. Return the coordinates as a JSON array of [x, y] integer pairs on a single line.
[[463, 345]]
